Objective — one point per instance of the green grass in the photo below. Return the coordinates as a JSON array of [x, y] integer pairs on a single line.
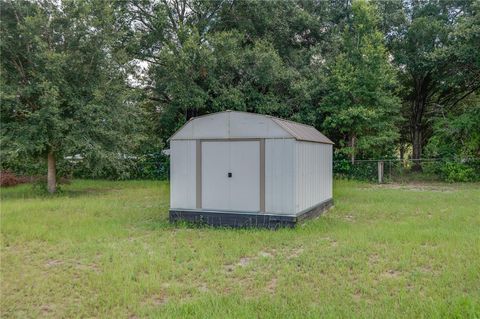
[[105, 249]]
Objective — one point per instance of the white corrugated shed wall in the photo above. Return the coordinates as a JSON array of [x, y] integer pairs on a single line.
[[182, 174], [313, 174], [279, 176]]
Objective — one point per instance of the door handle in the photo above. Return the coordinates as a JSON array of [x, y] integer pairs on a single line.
[[229, 174]]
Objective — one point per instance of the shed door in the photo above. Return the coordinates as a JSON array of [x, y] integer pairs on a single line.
[[231, 175]]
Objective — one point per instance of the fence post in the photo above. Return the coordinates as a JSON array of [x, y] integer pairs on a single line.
[[380, 172]]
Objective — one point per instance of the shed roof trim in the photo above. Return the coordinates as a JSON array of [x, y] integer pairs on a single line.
[[301, 132]]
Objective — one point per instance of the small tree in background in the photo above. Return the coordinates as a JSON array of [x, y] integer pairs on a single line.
[[63, 91], [361, 108]]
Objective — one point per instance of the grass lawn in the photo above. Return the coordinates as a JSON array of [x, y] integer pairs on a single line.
[[105, 249]]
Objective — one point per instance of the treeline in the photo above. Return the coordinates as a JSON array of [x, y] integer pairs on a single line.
[[111, 80]]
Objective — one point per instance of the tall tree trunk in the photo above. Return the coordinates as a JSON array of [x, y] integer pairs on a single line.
[[417, 149], [52, 173], [417, 128], [352, 145]]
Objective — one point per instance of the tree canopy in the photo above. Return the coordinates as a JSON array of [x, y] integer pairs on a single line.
[[111, 79], [63, 90], [360, 106]]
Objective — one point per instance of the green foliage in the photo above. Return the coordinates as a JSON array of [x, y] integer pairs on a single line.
[[435, 47], [24, 166], [216, 75], [152, 166], [63, 91], [458, 172], [113, 80], [457, 135], [246, 55], [400, 171], [361, 104], [363, 171]]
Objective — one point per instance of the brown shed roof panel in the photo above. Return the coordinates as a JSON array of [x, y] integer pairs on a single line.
[[302, 132]]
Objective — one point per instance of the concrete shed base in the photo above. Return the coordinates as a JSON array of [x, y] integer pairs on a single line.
[[244, 220]]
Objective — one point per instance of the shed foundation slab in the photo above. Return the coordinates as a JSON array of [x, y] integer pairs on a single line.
[[245, 220]]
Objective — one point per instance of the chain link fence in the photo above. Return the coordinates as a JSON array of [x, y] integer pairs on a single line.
[[399, 170], [157, 167]]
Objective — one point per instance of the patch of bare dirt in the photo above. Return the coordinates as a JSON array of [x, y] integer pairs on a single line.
[[391, 274], [357, 296], [165, 285], [159, 300], [427, 269], [76, 264], [272, 285], [246, 260], [203, 288], [373, 259], [429, 245], [88, 267], [419, 187], [295, 253], [46, 309], [229, 267], [265, 254], [333, 242], [54, 262], [156, 300]]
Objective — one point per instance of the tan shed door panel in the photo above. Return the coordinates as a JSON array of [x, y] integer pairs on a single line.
[[240, 191], [245, 180], [215, 166]]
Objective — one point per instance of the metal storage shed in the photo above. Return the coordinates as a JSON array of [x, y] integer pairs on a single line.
[[244, 169]]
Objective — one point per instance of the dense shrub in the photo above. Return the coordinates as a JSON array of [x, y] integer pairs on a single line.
[[450, 171], [149, 166], [366, 171], [8, 178], [152, 166], [22, 165], [457, 172]]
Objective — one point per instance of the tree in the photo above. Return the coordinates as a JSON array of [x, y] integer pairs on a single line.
[[361, 109], [304, 34], [436, 48], [63, 91], [200, 62], [218, 74], [457, 134]]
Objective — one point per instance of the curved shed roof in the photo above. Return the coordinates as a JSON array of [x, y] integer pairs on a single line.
[[235, 124]]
